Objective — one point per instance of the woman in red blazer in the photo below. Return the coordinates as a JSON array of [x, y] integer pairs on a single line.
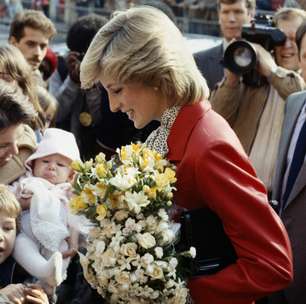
[[141, 59]]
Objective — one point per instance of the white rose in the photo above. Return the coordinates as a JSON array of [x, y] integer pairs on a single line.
[[163, 214], [180, 296], [167, 237], [121, 215], [147, 259], [159, 252], [100, 247], [155, 272], [129, 249], [151, 222], [123, 278], [146, 240], [108, 258]]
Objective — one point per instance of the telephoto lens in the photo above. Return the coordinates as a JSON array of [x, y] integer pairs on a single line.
[[240, 57]]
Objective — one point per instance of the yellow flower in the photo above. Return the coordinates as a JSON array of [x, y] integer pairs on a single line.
[[150, 192], [77, 165], [100, 158], [136, 148], [77, 204], [101, 211], [101, 170], [143, 162], [88, 196], [170, 174], [88, 165], [157, 156], [123, 154], [115, 199], [161, 181], [100, 189]]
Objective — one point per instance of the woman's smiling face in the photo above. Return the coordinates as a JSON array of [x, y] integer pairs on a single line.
[[140, 102]]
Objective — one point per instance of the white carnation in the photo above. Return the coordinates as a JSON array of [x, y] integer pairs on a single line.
[[146, 240], [159, 252]]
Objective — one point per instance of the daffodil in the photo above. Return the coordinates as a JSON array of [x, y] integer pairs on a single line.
[[101, 211], [77, 204], [101, 170], [100, 158], [77, 165], [170, 174], [89, 196]]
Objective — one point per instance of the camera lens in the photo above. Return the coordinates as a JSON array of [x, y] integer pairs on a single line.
[[242, 57]]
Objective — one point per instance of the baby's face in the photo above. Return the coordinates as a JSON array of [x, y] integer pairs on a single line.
[[55, 168], [7, 236]]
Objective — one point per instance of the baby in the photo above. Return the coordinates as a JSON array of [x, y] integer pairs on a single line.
[[48, 233]]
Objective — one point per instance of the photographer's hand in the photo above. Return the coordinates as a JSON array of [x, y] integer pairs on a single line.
[[231, 79], [266, 63]]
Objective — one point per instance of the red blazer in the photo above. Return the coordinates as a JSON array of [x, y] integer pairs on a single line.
[[213, 171]]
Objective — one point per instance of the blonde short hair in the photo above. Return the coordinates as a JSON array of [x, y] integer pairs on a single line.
[[143, 45], [8, 202]]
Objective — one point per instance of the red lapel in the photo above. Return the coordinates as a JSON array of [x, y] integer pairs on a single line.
[[188, 116]]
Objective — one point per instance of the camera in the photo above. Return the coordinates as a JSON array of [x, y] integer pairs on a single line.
[[240, 56]]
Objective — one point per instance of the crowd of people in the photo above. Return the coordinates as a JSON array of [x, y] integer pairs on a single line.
[[238, 146]]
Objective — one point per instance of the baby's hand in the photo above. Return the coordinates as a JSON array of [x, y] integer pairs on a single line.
[[69, 253], [25, 197], [25, 193], [14, 292]]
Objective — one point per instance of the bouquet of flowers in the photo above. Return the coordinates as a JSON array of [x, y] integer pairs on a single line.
[[130, 252]]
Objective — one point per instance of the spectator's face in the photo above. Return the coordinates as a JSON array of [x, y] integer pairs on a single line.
[[141, 103], [33, 46], [303, 57], [55, 168], [7, 236], [231, 19], [8, 143], [286, 55]]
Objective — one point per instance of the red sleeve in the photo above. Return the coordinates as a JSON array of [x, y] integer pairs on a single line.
[[227, 183]]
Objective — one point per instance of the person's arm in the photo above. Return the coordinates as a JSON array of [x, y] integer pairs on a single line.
[[34, 294], [73, 243], [55, 83], [226, 98], [284, 81], [66, 98], [12, 294], [227, 183]]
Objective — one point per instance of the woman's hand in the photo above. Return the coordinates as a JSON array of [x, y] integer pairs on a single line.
[[34, 294], [15, 293]]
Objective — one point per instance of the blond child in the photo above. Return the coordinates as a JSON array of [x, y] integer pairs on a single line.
[[17, 293]]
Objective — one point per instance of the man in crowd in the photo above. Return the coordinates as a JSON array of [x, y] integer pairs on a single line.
[[256, 113], [233, 14], [31, 32], [289, 183]]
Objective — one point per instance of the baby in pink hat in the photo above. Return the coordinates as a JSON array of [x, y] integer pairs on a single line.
[[48, 234]]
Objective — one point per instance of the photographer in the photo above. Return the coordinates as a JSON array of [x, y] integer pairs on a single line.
[[256, 112], [232, 15]]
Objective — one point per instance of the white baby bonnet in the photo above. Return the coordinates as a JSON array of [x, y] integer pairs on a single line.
[[56, 141]]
